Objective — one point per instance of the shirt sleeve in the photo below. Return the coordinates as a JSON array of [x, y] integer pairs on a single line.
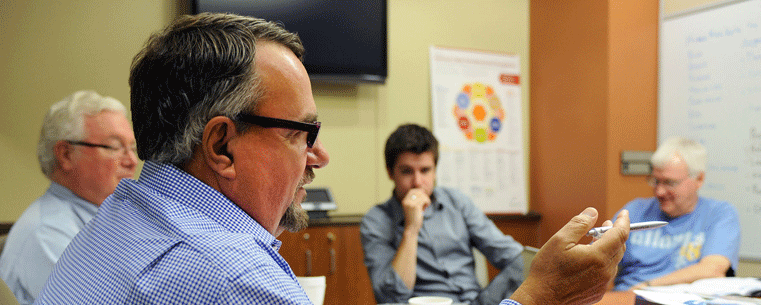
[[499, 249], [41, 254], [377, 233], [184, 275], [29, 267], [723, 236], [509, 302]]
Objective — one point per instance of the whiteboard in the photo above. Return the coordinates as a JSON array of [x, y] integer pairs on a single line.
[[710, 90]]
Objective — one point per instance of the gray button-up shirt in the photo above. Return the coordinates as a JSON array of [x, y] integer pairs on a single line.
[[452, 227]]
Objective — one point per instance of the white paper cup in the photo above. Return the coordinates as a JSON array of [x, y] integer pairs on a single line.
[[432, 300], [314, 287]]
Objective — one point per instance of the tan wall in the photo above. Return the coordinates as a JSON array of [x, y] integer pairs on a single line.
[[49, 49], [675, 6], [52, 48], [359, 119]]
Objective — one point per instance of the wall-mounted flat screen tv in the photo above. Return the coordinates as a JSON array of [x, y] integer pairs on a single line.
[[345, 40]]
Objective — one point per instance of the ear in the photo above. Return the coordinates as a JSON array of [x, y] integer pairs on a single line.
[[217, 134], [63, 155], [700, 179]]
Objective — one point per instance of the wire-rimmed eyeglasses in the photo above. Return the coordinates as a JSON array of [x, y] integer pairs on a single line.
[[667, 183]]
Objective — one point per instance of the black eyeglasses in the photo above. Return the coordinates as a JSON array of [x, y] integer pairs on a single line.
[[311, 128], [120, 149]]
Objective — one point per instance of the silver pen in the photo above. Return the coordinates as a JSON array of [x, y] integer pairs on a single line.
[[637, 226]]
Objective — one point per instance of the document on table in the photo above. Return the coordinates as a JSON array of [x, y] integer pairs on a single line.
[[729, 290], [646, 297], [721, 286]]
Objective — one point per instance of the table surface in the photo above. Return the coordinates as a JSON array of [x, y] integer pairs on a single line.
[[617, 298], [610, 298], [409, 304]]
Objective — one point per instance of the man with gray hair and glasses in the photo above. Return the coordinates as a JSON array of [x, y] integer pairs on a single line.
[[86, 147], [702, 239]]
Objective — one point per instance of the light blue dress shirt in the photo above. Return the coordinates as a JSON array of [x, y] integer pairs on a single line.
[[168, 238], [38, 238]]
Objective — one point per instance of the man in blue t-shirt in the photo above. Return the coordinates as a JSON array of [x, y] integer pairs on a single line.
[[702, 239]]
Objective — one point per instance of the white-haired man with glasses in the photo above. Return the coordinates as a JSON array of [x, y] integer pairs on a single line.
[[86, 147], [702, 239]]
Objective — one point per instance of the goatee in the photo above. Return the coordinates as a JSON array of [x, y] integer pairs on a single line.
[[296, 218]]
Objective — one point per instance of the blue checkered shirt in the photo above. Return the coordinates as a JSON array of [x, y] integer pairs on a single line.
[[509, 302], [168, 238]]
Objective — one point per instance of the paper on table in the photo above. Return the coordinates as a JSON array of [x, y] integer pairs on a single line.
[[669, 298], [743, 286], [681, 298]]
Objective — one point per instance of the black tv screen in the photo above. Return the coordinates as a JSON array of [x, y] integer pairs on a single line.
[[345, 40]]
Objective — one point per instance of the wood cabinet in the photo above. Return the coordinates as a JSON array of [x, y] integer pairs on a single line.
[[331, 247], [523, 228]]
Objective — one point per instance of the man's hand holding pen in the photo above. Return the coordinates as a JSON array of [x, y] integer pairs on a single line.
[[571, 272]]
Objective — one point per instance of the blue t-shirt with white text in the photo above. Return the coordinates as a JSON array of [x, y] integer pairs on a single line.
[[712, 228]]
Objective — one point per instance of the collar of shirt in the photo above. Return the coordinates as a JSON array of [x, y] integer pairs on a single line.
[[183, 188], [79, 204]]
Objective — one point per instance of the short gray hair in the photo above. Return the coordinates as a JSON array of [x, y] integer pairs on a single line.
[[692, 152], [65, 121]]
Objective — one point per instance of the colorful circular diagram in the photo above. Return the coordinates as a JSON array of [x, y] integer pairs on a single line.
[[479, 113]]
